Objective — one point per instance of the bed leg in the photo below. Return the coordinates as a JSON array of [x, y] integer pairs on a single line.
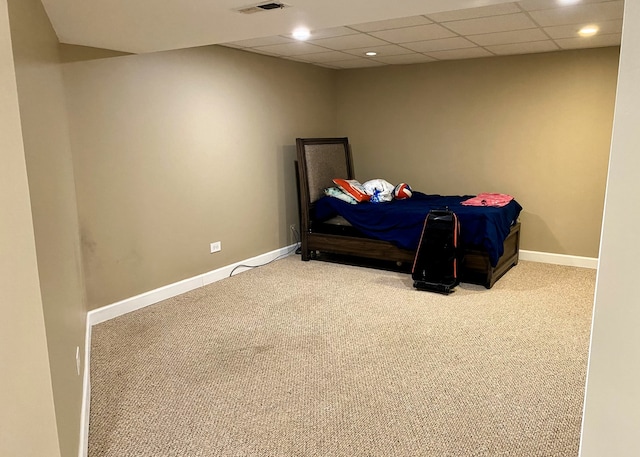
[[304, 246]]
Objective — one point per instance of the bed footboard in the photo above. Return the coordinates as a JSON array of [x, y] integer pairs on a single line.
[[475, 266], [477, 269]]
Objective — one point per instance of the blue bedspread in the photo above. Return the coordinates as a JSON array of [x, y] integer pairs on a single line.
[[401, 221]]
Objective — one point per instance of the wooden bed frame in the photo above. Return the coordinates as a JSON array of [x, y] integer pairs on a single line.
[[322, 159]]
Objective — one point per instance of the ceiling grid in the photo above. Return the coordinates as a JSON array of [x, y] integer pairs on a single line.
[[527, 26]]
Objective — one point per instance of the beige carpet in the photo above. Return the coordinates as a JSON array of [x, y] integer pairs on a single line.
[[319, 359]]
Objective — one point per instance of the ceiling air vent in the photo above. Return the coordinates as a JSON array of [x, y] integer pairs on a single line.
[[262, 7], [271, 6]]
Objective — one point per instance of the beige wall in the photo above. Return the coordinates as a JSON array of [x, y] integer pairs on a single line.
[[27, 418], [179, 149], [160, 140], [612, 408], [534, 126], [55, 220]]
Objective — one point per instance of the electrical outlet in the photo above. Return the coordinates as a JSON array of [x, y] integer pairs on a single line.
[[292, 227], [78, 359], [216, 247]]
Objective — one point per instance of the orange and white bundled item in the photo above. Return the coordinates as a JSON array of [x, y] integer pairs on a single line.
[[379, 190], [353, 188]]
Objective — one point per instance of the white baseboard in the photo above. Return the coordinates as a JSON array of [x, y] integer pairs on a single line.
[[86, 395], [162, 293], [559, 259], [149, 298]]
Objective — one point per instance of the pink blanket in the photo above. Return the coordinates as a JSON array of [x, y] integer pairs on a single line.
[[487, 199]]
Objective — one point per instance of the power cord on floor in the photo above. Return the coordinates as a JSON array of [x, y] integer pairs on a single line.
[[297, 248]]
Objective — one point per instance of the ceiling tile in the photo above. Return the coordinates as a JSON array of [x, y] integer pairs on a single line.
[[492, 24], [265, 41], [391, 24], [524, 48], [579, 13], [261, 51], [571, 31], [533, 5], [355, 63], [348, 42], [514, 36], [470, 53], [418, 33], [289, 49], [591, 42], [470, 13], [329, 56], [405, 59], [232, 45], [387, 50], [440, 45], [295, 59], [326, 65], [332, 32]]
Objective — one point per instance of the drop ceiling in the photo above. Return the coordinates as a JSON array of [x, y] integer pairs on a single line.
[[401, 32], [528, 26]]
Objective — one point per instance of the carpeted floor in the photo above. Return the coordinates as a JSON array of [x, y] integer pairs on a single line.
[[319, 359]]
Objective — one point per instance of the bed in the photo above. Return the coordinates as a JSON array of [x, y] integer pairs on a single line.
[[389, 232]]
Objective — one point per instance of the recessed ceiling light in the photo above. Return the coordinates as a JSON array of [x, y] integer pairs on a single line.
[[568, 2], [371, 53], [301, 33], [588, 30]]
